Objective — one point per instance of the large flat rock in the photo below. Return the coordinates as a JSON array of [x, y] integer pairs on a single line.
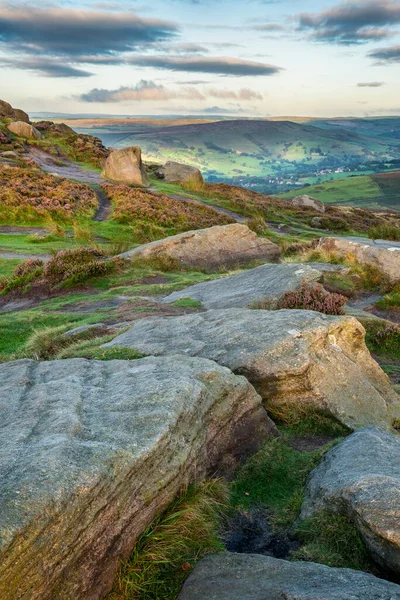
[[360, 478], [228, 576], [381, 253], [267, 282], [292, 357], [210, 248], [91, 451]]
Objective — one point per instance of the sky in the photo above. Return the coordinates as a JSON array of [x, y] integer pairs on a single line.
[[317, 58]]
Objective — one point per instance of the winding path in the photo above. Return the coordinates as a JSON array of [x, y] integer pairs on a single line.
[[70, 170], [223, 211]]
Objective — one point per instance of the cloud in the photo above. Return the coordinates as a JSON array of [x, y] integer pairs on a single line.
[[371, 84], [386, 56], [149, 91], [144, 91], [269, 27], [70, 32], [352, 22], [218, 65], [45, 67], [212, 110], [243, 94]]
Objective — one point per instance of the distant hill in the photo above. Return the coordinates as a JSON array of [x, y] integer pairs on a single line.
[[268, 156], [381, 191]]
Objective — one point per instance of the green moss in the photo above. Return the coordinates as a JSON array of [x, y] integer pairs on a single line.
[[187, 303]]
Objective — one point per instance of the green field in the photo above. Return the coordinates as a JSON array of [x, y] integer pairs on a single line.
[[366, 191], [267, 156]]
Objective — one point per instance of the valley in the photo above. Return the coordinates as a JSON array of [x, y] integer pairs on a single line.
[[269, 156]]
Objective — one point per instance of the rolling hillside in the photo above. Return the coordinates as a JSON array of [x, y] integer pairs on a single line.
[[269, 156], [381, 191]]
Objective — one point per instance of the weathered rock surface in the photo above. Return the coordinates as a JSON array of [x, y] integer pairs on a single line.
[[125, 166], [294, 358], [360, 478], [218, 246], [175, 172], [267, 282], [24, 130], [6, 110], [381, 253], [228, 576], [308, 201], [90, 451], [21, 115]]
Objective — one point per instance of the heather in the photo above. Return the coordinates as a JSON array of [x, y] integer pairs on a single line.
[[30, 195], [313, 298], [66, 268], [159, 212]]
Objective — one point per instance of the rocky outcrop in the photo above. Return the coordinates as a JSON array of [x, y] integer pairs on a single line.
[[360, 478], [265, 283], [21, 115], [54, 127], [381, 253], [6, 110], [24, 130], [294, 358], [214, 247], [125, 166], [229, 576], [309, 202], [174, 172], [91, 451]]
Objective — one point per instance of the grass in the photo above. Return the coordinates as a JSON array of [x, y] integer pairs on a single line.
[[92, 349], [187, 303], [383, 339], [8, 265], [274, 478], [334, 541], [344, 191], [390, 300], [168, 550], [17, 327], [385, 232]]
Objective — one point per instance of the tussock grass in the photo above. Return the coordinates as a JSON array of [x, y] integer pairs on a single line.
[[92, 349], [334, 541], [385, 232], [49, 343], [168, 550], [315, 255], [391, 300]]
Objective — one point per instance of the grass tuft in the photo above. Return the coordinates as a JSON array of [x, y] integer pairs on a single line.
[[385, 232], [168, 550], [334, 541]]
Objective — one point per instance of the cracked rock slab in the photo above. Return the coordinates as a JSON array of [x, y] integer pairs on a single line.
[[229, 576], [267, 282], [294, 358], [91, 451], [360, 479]]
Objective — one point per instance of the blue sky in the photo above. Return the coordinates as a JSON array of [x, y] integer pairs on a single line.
[[239, 57]]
